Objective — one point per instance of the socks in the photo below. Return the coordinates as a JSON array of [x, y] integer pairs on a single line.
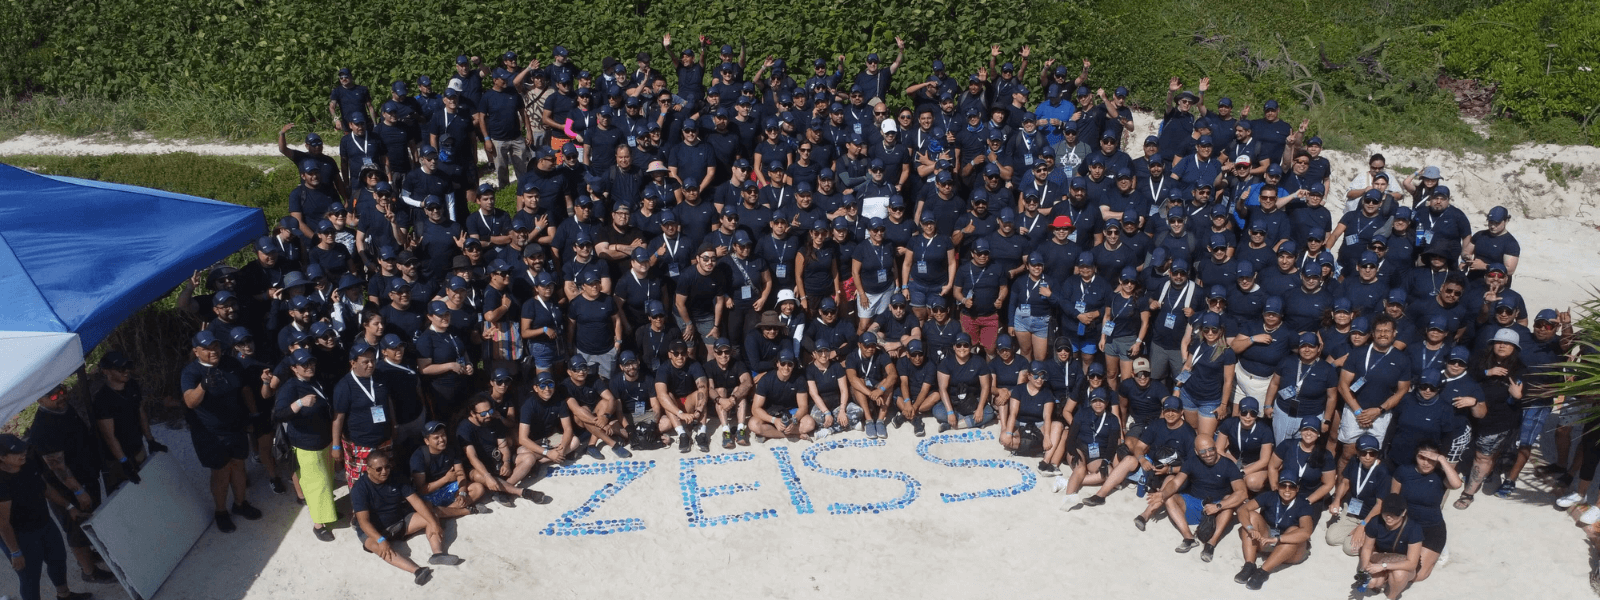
[[679, 429]]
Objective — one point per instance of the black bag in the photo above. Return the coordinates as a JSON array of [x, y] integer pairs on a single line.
[[645, 436], [1206, 529], [1030, 441], [282, 451]]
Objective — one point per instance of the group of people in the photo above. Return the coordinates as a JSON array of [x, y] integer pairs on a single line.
[[704, 255]]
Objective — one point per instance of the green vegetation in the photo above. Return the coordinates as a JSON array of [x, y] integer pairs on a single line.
[[1558, 173], [1362, 71]]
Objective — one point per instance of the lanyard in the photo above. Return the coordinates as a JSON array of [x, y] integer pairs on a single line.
[[1238, 434], [738, 264], [370, 391], [1183, 295], [315, 388], [1367, 364], [926, 243], [1300, 376], [1126, 303], [1035, 222], [1361, 482], [1029, 297], [1102, 424], [1195, 360], [866, 370], [672, 250], [975, 275], [360, 146], [782, 250], [1305, 459], [1083, 288], [397, 366], [1428, 362], [1027, 140], [485, 218], [1155, 192], [1277, 517]]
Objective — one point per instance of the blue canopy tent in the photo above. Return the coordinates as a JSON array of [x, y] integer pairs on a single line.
[[78, 257]]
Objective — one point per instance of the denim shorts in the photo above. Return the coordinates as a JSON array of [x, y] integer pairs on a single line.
[[544, 355], [1205, 408], [965, 419], [922, 293], [1039, 326], [1533, 425], [1121, 347]]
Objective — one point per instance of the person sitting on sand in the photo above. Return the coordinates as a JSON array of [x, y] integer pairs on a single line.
[[1277, 523], [388, 511], [1393, 549], [782, 408]]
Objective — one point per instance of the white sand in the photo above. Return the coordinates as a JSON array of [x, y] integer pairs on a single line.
[[1019, 545]]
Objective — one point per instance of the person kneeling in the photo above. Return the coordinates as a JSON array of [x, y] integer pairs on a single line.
[[1392, 551], [389, 508], [439, 477], [1278, 523]]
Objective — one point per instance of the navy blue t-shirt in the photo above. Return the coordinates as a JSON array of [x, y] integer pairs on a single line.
[[1210, 483]]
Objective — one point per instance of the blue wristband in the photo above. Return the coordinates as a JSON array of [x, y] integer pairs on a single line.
[[382, 539], [80, 493], [16, 554]]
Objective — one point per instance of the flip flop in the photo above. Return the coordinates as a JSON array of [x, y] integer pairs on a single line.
[[1464, 501]]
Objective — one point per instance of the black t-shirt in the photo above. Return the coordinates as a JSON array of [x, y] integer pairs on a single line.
[[370, 419], [480, 437], [68, 434], [781, 394], [701, 292], [827, 381], [223, 409], [587, 394], [543, 418], [122, 409], [384, 502], [25, 491], [725, 378], [311, 428], [1210, 483], [681, 382], [1397, 541], [433, 466], [1423, 493]]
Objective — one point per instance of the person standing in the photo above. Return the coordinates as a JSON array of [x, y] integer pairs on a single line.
[[505, 141], [363, 417], [120, 416], [26, 534], [72, 460], [219, 403], [307, 414]]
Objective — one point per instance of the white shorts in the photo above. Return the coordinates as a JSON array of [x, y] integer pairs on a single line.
[[1349, 430], [872, 305], [1245, 384]]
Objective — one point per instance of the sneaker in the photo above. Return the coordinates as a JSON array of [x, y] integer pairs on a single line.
[[1072, 500], [943, 427], [1094, 500], [883, 430], [1245, 573], [683, 442], [594, 452], [871, 428], [1187, 545], [276, 483], [505, 500], [821, 433], [743, 438], [1207, 552], [918, 428], [898, 420], [535, 497], [478, 509], [224, 522], [703, 440], [444, 559], [1256, 579], [243, 509], [621, 452], [323, 534], [727, 440], [1444, 557], [422, 576], [1505, 489], [1059, 485], [99, 576], [1569, 500], [1140, 522]]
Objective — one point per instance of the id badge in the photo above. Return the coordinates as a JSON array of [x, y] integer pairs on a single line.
[[1352, 240], [857, 127], [745, 292], [1081, 307], [1107, 328], [1072, 237], [378, 416], [1094, 451], [1025, 310], [1276, 532], [1155, 210], [1354, 508], [1287, 393], [672, 269], [1427, 236], [782, 271], [633, 142], [1027, 159], [922, 267], [1355, 386], [883, 276], [1171, 320], [1182, 377]]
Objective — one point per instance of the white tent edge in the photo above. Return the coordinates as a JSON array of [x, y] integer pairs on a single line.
[[31, 364]]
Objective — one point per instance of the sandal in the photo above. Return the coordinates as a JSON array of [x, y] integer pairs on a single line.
[[1464, 501]]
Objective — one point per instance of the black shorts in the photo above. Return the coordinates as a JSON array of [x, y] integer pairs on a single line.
[[261, 425], [396, 531], [1434, 537], [215, 449]]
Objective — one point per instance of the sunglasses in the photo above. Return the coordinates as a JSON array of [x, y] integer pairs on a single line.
[[546, 385], [1371, 201], [708, 257], [963, 345], [1368, 453], [1206, 452], [486, 413], [1455, 292], [382, 469]]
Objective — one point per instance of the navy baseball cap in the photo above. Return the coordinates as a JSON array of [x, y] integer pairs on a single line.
[[391, 341], [627, 357], [1210, 320], [204, 339], [1274, 306], [786, 356], [1311, 422], [1366, 442], [240, 335], [1171, 403], [1249, 404], [1308, 339]]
